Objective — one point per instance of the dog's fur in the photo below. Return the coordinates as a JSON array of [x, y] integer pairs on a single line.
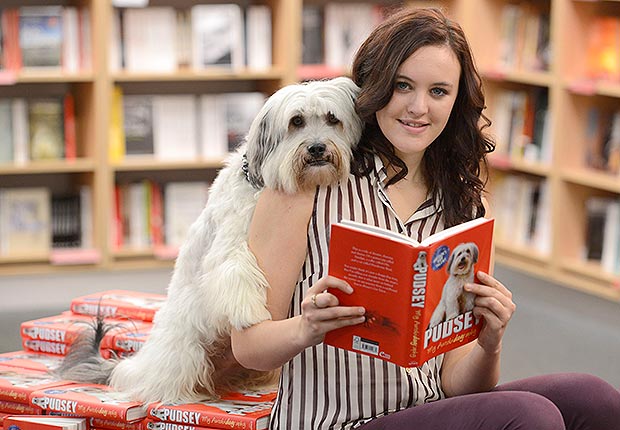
[[454, 299], [302, 137]]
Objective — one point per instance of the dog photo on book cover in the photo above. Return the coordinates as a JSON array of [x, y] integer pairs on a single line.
[[302, 138]]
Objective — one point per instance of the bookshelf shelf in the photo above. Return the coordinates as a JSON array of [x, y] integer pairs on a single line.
[[52, 166], [540, 79], [150, 164], [592, 179], [195, 75]]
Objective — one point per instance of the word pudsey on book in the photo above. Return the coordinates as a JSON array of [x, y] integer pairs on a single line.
[[413, 292]]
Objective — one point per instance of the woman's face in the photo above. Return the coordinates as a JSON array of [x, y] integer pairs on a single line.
[[425, 90]]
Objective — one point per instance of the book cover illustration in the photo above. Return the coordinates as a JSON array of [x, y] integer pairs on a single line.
[[17, 384], [30, 360], [40, 36], [413, 293], [119, 304], [247, 410], [46, 129], [88, 400]]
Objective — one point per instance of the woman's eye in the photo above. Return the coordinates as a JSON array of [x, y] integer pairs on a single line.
[[297, 121], [332, 119], [402, 86], [438, 92]]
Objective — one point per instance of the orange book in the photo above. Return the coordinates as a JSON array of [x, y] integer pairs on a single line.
[[69, 127], [151, 424], [413, 292], [39, 422], [62, 328], [604, 48], [245, 410], [30, 360], [88, 400], [17, 384], [119, 304]]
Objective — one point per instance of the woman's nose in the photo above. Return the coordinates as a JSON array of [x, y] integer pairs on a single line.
[[417, 104]]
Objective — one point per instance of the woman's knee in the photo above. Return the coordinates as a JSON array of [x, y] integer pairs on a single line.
[[528, 411]]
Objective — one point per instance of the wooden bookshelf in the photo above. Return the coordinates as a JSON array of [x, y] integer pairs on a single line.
[[570, 94]]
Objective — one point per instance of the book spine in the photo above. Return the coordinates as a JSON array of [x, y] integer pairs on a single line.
[[215, 420], [418, 304]]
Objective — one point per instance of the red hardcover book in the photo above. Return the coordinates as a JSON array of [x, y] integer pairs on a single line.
[[244, 412], [102, 423], [69, 127], [30, 360], [14, 408], [88, 400], [127, 338], [413, 292], [119, 304], [40, 422], [17, 384], [151, 424], [62, 328]]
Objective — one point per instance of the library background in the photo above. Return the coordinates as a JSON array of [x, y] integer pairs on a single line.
[[115, 116]]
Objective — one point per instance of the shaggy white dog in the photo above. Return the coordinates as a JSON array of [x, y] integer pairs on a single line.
[[302, 137], [454, 299]]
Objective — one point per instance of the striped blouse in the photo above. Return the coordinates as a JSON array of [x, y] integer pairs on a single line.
[[329, 388]]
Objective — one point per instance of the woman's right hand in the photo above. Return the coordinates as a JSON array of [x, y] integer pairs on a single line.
[[321, 311]]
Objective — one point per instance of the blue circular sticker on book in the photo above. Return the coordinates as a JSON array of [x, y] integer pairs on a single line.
[[440, 257]]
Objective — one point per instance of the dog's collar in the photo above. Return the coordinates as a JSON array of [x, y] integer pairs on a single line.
[[245, 167]]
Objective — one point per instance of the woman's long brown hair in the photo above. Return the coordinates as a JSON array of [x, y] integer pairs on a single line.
[[452, 164]]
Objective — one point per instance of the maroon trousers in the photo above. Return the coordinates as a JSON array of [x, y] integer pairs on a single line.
[[565, 401]]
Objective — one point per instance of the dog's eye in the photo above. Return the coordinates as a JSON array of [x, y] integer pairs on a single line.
[[297, 121], [332, 119]]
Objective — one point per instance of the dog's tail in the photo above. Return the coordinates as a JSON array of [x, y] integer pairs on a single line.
[[84, 363]]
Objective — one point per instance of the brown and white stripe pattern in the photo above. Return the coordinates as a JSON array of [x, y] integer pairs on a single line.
[[329, 388]]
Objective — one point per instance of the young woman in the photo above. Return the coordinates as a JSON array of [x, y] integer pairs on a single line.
[[417, 171]]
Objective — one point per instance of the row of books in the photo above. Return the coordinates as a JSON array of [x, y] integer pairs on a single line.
[[521, 124], [521, 206], [37, 129], [166, 39], [602, 140], [156, 216], [32, 398], [180, 126], [602, 241], [49, 37], [525, 42], [34, 222], [331, 33]]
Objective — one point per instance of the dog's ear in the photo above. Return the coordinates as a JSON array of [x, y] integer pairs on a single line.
[[474, 252], [260, 142], [450, 261]]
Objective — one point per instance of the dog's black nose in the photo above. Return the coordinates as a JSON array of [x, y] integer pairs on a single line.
[[316, 149]]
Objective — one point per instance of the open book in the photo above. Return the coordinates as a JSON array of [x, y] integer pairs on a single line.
[[416, 307]]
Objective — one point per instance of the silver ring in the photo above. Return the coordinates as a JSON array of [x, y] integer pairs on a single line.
[[313, 298]]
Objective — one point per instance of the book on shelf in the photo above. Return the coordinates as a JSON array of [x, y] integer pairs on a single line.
[[90, 400], [240, 109], [412, 291], [66, 221], [17, 384], [138, 125], [240, 410], [41, 422], [11, 51], [175, 132], [602, 235], [346, 27], [40, 36], [6, 137], [123, 304], [19, 125], [69, 127], [312, 48], [212, 124], [258, 37], [603, 48], [116, 143], [148, 38], [217, 36], [183, 204], [46, 129], [30, 360], [25, 229]]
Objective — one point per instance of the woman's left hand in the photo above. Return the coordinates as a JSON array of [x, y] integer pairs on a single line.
[[495, 306]]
